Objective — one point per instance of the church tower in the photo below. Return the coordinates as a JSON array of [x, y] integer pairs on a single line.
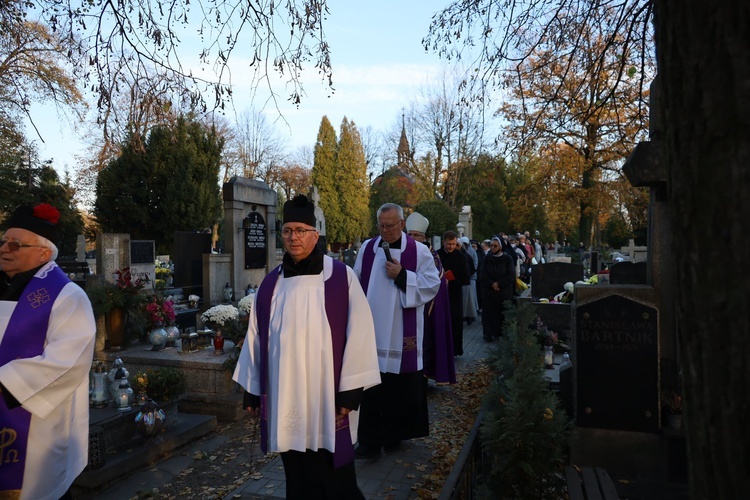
[[403, 145]]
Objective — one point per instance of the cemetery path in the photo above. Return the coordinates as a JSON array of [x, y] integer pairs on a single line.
[[228, 462]]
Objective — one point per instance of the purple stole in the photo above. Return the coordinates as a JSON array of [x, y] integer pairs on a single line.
[[409, 314], [438, 316], [337, 311], [24, 338]]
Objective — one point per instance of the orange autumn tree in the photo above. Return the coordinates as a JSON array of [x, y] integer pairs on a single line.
[[565, 107]]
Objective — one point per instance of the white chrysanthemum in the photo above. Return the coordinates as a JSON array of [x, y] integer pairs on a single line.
[[246, 304], [220, 315]]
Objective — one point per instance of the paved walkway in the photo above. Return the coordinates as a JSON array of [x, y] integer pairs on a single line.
[[392, 476]]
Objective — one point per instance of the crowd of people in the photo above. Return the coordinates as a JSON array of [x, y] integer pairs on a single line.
[[338, 356], [335, 363]]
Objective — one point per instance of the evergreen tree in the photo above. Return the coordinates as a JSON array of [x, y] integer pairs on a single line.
[[171, 184], [483, 188], [441, 216], [524, 429], [351, 185], [324, 174], [45, 187]]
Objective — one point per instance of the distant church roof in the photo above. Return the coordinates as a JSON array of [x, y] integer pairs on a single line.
[[403, 150]]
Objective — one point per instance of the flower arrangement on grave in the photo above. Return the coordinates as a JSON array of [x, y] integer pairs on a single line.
[[160, 311], [162, 272], [547, 337], [566, 296], [125, 293], [219, 316], [245, 304], [140, 381], [225, 318], [193, 299]]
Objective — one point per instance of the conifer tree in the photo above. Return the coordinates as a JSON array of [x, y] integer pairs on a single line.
[[171, 184], [324, 174], [524, 429], [351, 185]]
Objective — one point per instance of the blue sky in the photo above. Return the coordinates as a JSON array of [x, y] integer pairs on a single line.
[[378, 63]]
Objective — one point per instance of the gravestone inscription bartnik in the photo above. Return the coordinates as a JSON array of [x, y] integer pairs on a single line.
[[617, 346]]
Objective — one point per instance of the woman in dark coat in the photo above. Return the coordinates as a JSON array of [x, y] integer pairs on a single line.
[[498, 277]]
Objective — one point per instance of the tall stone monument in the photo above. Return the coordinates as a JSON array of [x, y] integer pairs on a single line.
[[250, 232]]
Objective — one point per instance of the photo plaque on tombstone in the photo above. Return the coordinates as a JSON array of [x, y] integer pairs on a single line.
[[256, 236], [617, 348]]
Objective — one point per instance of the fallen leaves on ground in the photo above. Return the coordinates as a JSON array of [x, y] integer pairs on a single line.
[[453, 410]]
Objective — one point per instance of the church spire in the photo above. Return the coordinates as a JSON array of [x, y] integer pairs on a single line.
[[403, 144]]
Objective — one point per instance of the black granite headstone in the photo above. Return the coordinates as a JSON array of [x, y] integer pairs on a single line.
[[256, 237], [556, 317], [595, 263], [189, 248], [547, 280], [142, 252], [628, 273], [617, 351]]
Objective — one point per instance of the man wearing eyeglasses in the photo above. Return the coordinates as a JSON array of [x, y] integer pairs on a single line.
[[308, 355], [398, 283], [47, 333]]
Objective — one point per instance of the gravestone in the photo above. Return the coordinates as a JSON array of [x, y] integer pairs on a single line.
[[80, 248], [244, 197], [112, 254], [596, 263], [547, 280], [142, 257], [556, 316], [558, 258], [256, 241], [635, 253], [466, 220], [617, 370], [628, 273], [189, 247]]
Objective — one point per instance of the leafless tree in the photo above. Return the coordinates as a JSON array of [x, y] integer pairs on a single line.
[[256, 148], [113, 44]]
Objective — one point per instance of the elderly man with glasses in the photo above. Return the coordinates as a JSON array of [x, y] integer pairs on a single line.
[[399, 277], [47, 333], [308, 355]]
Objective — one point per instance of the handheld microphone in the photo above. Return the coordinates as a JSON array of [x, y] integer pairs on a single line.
[[387, 251]]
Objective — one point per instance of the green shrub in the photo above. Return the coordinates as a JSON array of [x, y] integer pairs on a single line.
[[166, 384], [524, 429]]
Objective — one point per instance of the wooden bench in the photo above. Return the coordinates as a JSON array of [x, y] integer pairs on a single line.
[[589, 483]]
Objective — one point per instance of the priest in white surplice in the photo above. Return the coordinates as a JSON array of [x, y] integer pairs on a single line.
[[308, 355], [398, 284], [47, 333]]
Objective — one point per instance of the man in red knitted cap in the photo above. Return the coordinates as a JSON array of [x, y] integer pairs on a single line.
[[47, 333]]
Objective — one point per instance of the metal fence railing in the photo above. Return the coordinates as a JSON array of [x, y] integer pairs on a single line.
[[469, 471]]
